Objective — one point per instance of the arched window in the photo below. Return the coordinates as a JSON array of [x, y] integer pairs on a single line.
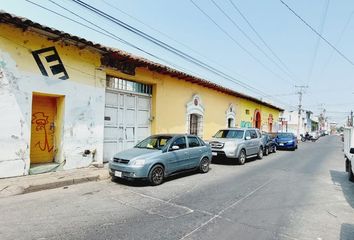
[[195, 116], [257, 119], [270, 123], [230, 116], [193, 124]]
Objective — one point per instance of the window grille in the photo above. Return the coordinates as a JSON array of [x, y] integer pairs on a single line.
[[127, 85]]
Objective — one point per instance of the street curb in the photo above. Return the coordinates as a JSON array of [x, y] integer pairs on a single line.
[[51, 183], [58, 184]]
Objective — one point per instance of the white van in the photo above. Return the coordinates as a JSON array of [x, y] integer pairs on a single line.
[[349, 151]]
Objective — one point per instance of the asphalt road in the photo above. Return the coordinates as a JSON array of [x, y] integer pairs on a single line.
[[288, 195]]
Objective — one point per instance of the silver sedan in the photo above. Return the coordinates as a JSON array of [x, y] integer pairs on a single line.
[[160, 156]]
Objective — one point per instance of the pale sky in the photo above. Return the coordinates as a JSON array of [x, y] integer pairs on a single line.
[[283, 53]]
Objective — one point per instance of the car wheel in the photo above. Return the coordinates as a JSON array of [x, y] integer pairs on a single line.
[[156, 175], [242, 157], [204, 165], [350, 173], [260, 153], [266, 152]]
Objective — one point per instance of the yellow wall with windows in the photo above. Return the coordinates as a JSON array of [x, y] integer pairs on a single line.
[[171, 95]]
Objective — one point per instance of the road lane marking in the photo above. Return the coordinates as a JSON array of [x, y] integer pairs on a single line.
[[228, 207], [174, 212]]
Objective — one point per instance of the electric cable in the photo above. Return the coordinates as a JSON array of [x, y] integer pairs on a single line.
[[249, 38], [171, 38], [259, 36], [228, 78], [314, 57], [168, 47], [317, 33], [235, 41]]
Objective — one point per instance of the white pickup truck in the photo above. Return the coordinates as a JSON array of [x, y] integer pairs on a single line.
[[349, 151]]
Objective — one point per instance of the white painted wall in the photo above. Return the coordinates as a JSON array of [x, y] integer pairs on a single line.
[[82, 121], [292, 121]]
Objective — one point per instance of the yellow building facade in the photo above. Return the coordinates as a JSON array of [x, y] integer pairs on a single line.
[[68, 103]]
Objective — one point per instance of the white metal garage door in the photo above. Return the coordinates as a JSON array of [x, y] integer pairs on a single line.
[[126, 121]]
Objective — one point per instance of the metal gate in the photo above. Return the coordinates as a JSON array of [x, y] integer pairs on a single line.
[[127, 121]]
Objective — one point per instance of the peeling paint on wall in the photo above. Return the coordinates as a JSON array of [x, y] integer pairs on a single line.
[[82, 115]]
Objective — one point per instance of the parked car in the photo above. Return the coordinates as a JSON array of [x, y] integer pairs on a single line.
[[237, 143], [348, 149], [269, 143], [159, 156], [286, 140]]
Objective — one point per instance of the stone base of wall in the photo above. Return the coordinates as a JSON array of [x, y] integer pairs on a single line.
[[12, 168]]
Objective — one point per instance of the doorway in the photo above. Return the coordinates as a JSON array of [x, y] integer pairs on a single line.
[[257, 120], [126, 121], [43, 128], [230, 122]]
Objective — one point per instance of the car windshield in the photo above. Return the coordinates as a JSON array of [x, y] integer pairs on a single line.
[[285, 135], [229, 134], [154, 142]]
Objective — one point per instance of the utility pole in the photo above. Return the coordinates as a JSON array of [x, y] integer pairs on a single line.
[[351, 119], [300, 92]]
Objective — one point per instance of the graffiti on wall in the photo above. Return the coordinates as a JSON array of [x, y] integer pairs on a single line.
[[41, 123], [48, 60], [245, 124]]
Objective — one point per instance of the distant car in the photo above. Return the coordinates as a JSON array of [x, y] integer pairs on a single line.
[[237, 143], [286, 140], [316, 135], [159, 156], [269, 143]]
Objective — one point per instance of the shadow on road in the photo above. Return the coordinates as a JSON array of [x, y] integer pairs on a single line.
[[146, 183], [341, 179], [347, 232], [230, 161]]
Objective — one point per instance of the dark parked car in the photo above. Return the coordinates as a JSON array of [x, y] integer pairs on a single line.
[[160, 156], [269, 143], [286, 140]]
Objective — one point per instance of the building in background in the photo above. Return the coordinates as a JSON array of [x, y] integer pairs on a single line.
[[68, 103]]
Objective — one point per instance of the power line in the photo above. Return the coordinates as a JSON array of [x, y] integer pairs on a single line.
[[259, 36], [249, 38], [338, 41], [109, 34], [300, 92], [171, 38], [318, 34], [171, 49], [235, 41], [166, 46], [318, 42], [103, 32]]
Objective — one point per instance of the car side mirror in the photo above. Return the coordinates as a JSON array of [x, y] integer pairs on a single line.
[[174, 148], [352, 150], [248, 138]]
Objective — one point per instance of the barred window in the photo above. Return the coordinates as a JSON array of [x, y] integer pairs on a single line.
[[193, 124], [127, 85]]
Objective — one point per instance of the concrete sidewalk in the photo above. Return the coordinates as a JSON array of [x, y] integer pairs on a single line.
[[38, 182]]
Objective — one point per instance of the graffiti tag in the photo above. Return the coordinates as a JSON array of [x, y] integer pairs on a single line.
[[41, 122]]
